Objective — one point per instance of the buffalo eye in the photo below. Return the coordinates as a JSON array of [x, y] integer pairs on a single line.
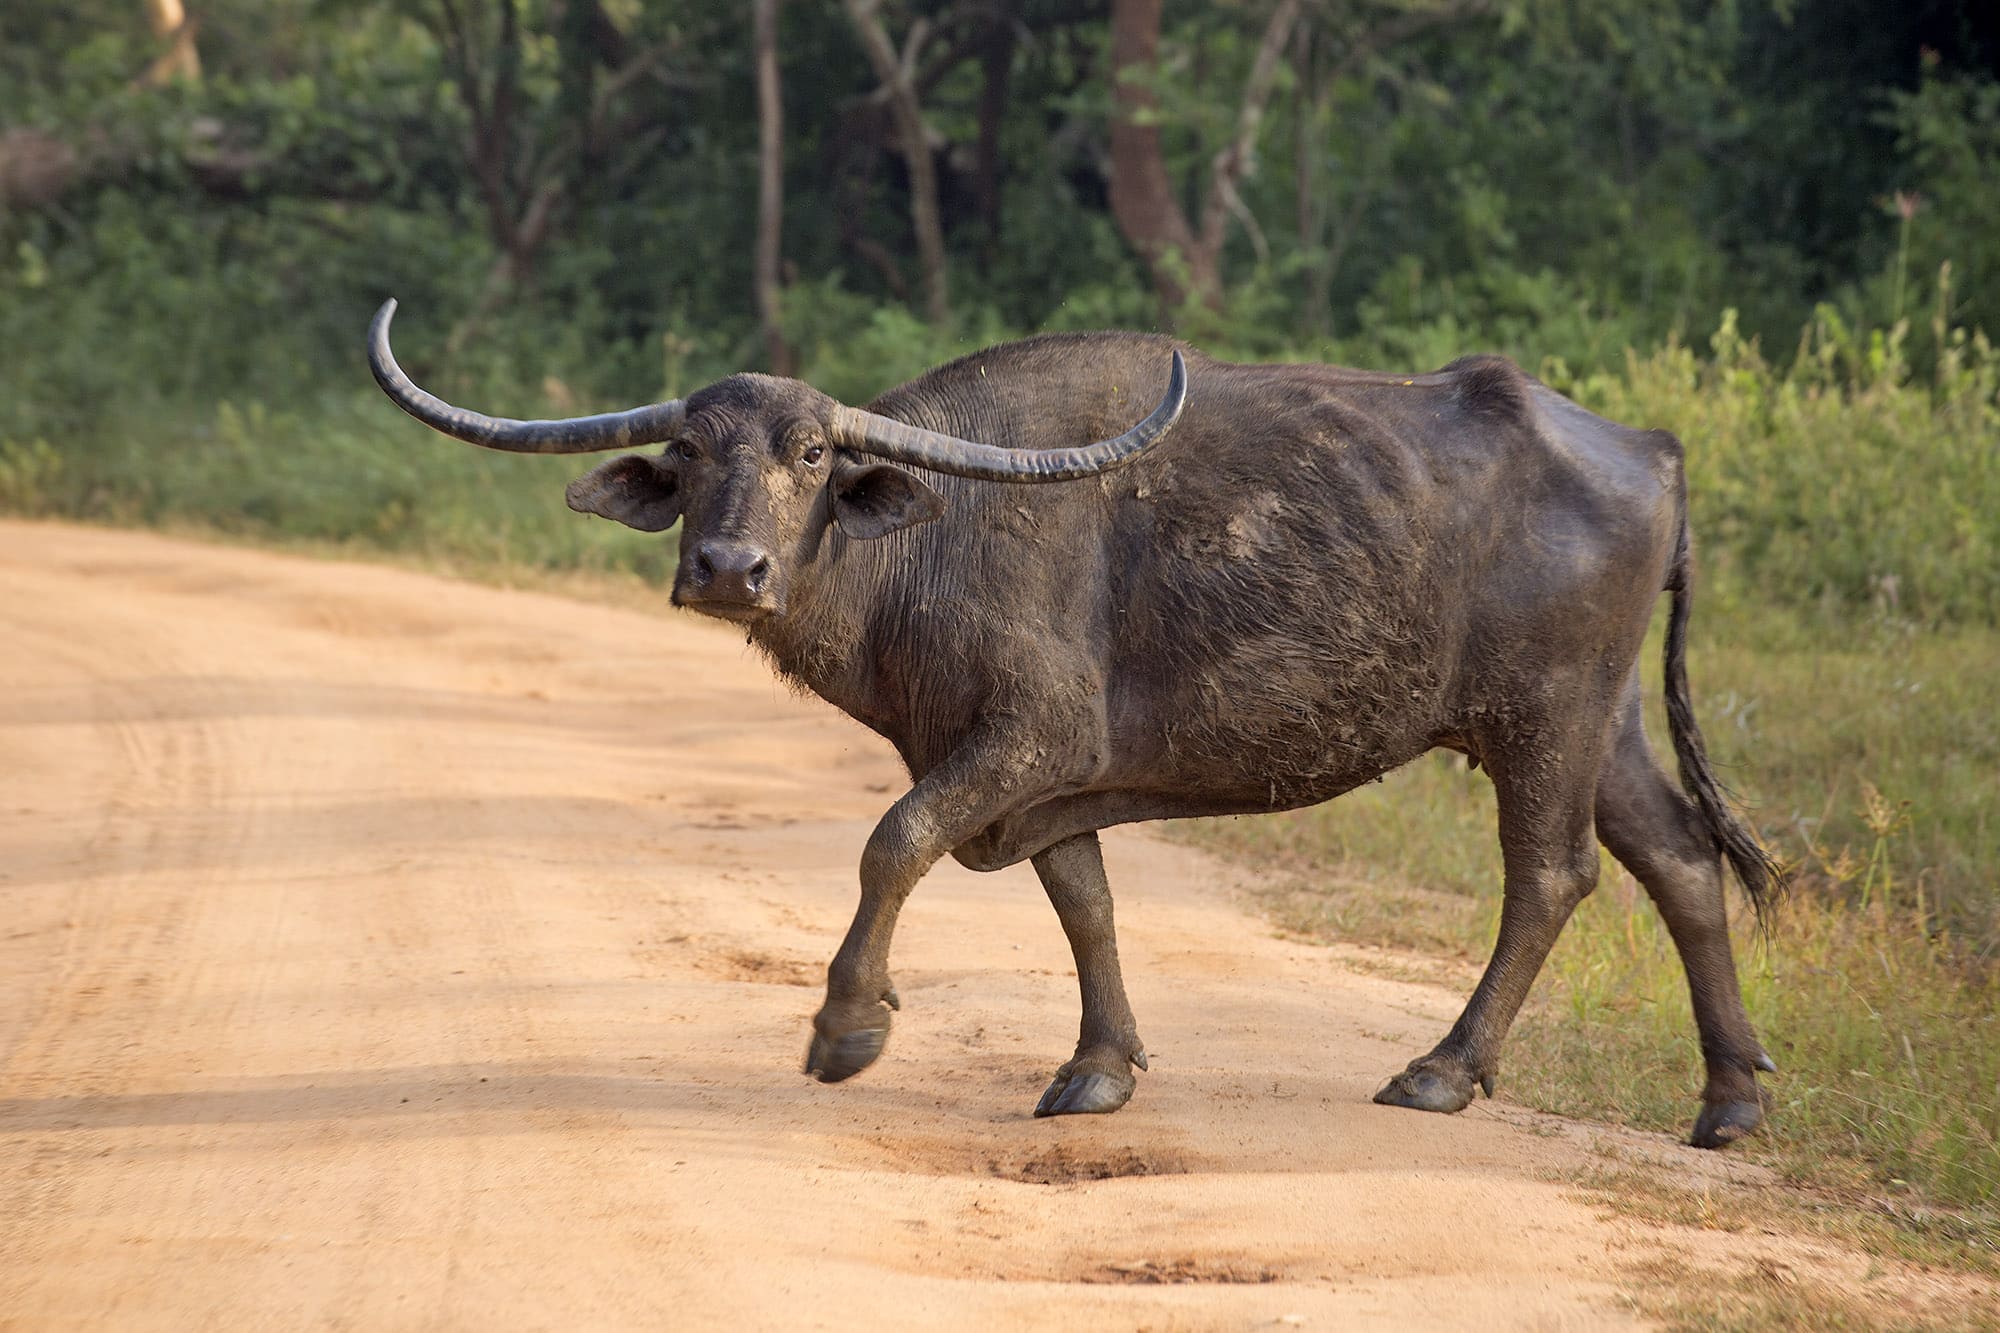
[[813, 455], [684, 451]]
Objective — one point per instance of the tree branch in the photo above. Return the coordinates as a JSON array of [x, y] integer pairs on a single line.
[[770, 187], [172, 24], [1143, 198], [996, 59], [1230, 165], [913, 138]]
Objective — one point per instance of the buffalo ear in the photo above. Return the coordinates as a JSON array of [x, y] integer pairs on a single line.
[[876, 500], [634, 489]]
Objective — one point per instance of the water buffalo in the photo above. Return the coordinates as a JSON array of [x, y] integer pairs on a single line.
[[1282, 583]]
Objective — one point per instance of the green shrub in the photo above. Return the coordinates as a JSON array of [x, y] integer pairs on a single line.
[[1840, 483]]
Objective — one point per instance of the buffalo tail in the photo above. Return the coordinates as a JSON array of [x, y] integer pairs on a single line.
[[1763, 880]]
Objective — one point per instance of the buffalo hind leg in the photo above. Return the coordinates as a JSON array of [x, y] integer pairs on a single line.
[[1098, 1078], [1551, 866], [1657, 833]]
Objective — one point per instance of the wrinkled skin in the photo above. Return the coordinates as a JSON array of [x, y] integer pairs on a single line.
[[1317, 576]]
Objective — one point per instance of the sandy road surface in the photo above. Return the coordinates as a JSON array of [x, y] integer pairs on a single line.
[[382, 952]]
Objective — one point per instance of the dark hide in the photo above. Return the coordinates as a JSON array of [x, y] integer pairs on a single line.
[[1317, 576]]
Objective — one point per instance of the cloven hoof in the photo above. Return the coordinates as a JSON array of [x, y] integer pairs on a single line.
[[1722, 1123], [844, 1056], [1429, 1085], [1096, 1081]]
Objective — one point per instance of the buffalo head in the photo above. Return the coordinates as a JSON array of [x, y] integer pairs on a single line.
[[757, 468]]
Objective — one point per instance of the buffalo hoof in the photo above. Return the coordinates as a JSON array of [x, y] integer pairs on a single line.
[[1722, 1123], [831, 1059], [1094, 1084], [1432, 1085]]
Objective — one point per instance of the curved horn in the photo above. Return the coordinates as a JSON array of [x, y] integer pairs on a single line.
[[887, 438], [575, 435]]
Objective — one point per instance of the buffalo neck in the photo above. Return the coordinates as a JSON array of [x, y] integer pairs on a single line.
[[820, 643]]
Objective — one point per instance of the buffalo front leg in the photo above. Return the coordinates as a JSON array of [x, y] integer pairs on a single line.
[[1549, 846], [1098, 1078], [976, 785]]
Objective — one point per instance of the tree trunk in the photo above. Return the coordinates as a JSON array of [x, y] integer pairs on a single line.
[[1309, 198], [1184, 263], [1323, 236], [36, 168], [997, 61], [172, 25], [521, 201], [1142, 196], [770, 189], [913, 140]]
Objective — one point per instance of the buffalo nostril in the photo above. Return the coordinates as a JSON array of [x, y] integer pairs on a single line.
[[704, 566], [754, 577]]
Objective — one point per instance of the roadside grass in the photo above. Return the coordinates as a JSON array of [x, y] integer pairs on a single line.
[[1923, 1270], [337, 476], [1887, 1040], [1771, 1297]]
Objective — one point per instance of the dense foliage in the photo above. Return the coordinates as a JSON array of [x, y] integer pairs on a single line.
[[570, 186]]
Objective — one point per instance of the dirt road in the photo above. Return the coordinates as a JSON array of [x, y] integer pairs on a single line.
[[386, 952]]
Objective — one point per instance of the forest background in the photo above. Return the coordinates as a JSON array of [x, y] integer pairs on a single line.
[[1772, 226]]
